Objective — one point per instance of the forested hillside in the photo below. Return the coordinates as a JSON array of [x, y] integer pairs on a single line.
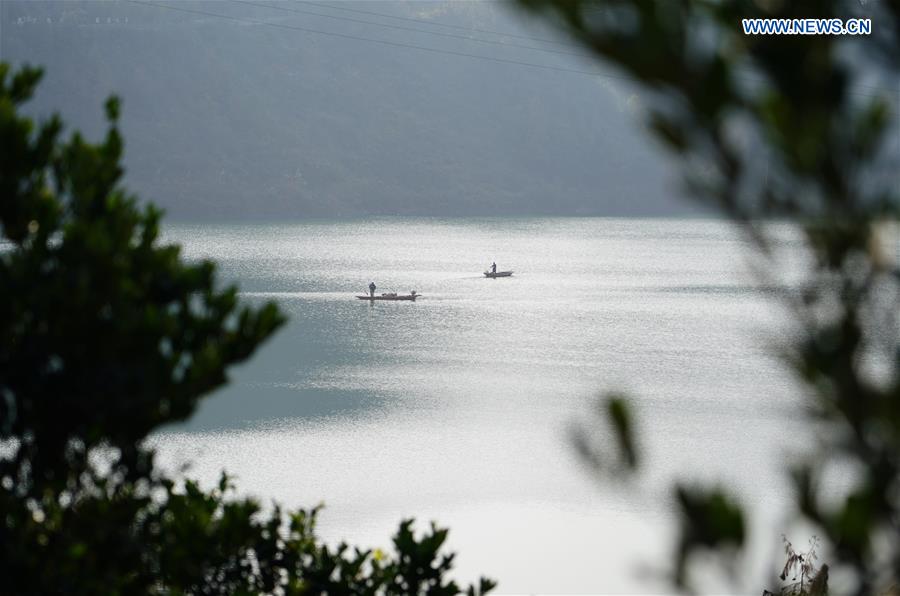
[[257, 111]]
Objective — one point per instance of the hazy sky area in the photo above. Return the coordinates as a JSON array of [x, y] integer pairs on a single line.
[[272, 113]]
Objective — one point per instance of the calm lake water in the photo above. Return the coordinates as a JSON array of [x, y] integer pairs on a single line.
[[458, 408]]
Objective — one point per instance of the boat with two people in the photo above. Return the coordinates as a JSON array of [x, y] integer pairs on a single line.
[[411, 297]]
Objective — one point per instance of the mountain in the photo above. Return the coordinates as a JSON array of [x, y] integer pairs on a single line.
[[237, 110]]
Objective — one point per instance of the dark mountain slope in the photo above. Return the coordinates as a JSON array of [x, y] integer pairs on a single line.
[[238, 119]]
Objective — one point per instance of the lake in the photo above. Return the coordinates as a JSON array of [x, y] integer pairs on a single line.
[[460, 407]]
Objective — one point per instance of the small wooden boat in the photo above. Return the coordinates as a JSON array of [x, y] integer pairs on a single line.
[[498, 274], [392, 296]]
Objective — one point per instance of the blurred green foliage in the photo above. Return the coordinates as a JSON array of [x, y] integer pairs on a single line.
[[105, 334], [800, 128]]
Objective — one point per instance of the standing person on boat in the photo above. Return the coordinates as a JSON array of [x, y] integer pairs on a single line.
[[372, 289], [493, 267]]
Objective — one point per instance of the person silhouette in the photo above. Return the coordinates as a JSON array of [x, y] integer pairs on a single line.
[[372, 289]]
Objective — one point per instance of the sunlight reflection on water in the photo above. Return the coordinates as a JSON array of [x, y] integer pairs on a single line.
[[457, 407]]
